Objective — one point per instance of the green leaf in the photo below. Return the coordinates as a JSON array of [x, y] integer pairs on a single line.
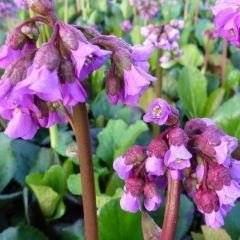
[[47, 198], [192, 90], [22, 232], [228, 116], [75, 186], [54, 178], [7, 161], [115, 224], [136, 36], [213, 102], [150, 229], [197, 236], [112, 141], [231, 222], [191, 57], [215, 234]]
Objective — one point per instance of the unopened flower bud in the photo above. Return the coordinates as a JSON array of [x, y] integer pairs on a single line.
[[177, 137], [123, 60], [190, 184], [32, 32], [195, 127], [134, 155], [152, 197], [66, 72], [134, 186], [218, 176], [113, 87], [49, 56], [207, 200], [16, 39], [158, 147], [43, 7]]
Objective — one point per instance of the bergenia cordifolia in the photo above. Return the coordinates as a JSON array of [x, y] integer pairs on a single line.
[[199, 155], [164, 38], [41, 85], [227, 19]]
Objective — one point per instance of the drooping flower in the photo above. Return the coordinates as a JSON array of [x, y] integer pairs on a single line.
[[86, 56], [227, 19], [152, 196]]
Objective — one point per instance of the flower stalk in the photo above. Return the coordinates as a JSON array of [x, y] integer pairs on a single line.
[[196, 12], [172, 207], [81, 129], [224, 62]]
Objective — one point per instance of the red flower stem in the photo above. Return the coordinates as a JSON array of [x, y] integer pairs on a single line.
[[196, 13], [171, 211], [224, 62], [81, 129], [206, 57]]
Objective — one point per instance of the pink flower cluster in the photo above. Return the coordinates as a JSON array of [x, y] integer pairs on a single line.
[[199, 155], [41, 84]]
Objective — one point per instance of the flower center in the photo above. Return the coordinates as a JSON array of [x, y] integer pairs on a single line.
[[157, 111], [178, 160]]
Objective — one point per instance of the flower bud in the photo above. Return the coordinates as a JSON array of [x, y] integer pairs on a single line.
[[195, 127], [134, 186], [113, 87], [43, 7], [18, 70], [207, 200], [158, 147], [16, 39], [134, 155], [66, 72], [218, 176], [152, 197], [31, 31], [123, 60], [177, 137], [190, 184], [49, 56]]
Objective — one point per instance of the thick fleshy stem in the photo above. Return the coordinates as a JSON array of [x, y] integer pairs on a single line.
[[206, 57], [224, 61], [81, 130], [171, 210], [158, 88], [53, 136], [196, 12]]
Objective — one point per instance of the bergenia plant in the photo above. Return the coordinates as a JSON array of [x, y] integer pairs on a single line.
[[42, 86], [197, 156]]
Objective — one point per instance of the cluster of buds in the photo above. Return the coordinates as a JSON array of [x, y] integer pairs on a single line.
[[147, 8], [211, 34], [41, 85], [227, 19], [165, 38], [199, 155]]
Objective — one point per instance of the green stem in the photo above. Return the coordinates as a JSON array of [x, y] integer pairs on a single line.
[[66, 11], [84, 14], [53, 136]]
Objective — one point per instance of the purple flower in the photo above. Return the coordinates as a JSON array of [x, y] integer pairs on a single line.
[[126, 26], [177, 157], [227, 19], [130, 203], [214, 219], [148, 9], [122, 168], [235, 170], [20, 4], [42, 78], [154, 166], [86, 56], [158, 112], [229, 194], [130, 200], [71, 88], [136, 81], [152, 199], [22, 125]]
